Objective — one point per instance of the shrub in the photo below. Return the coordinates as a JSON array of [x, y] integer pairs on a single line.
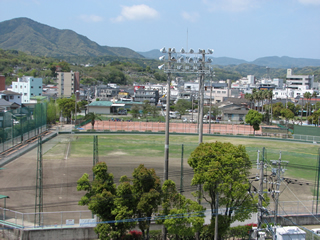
[[135, 234]]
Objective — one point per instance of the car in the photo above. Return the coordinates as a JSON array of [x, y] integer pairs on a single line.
[[122, 112]]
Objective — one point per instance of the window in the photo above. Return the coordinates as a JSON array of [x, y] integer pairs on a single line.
[[31, 86], [25, 94], [11, 97], [16, 86], [20, 86], [39, 94], [218, 91], [18, 96], [39, 86]]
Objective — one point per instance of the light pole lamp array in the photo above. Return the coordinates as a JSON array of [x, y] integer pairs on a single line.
[[182, 62]]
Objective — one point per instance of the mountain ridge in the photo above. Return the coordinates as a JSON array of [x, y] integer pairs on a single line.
[[32, 37], [269, 61], [27, 35]]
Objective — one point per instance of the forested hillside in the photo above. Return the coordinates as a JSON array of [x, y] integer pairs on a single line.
[[26, 35], [106, 69]]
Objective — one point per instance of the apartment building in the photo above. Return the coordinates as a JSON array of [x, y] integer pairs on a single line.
[[299, 81], [68, 83], [28, 87]]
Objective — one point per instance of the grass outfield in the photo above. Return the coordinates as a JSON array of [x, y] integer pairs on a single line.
[[302, 157]]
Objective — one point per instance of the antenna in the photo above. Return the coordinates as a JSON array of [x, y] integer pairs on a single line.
[[187, 40]]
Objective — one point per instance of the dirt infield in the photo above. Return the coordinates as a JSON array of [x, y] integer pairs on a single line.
[[61, 172], [174, 127], [18, 178]]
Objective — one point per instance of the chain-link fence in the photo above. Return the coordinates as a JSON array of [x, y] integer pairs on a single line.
[[21, 124], [47, 219]]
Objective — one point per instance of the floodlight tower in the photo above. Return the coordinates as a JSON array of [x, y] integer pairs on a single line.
[[182, 64]]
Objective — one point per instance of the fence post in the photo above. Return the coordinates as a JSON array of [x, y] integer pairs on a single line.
[[22, 220], [61, 219]]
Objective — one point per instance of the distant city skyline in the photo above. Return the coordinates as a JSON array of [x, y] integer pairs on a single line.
[[243, 29]]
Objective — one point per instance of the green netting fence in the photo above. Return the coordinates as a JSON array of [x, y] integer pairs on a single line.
[[21, 124]]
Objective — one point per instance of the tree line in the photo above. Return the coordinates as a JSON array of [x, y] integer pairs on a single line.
[[222, 170]]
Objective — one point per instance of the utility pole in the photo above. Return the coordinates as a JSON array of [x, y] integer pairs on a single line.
[[39, 186], [260, 166], [201, 91], [278, 170], [95, 152], [166, 146], [318, 179], [216, 221], [181, 177], [174, 67], [210, 108]]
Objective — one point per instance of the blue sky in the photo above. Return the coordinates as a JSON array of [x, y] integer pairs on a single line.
[[244, 29]]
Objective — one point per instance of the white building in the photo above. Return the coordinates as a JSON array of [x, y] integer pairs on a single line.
[[27, 87], [11, 96], [283, 93], [298, 81], [191, 86], [162, 89]]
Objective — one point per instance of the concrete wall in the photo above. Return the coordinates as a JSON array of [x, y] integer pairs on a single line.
[[48, 234]]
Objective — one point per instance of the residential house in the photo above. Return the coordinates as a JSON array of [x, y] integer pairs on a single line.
[[11, 96]]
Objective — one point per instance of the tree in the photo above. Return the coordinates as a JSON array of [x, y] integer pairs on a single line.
[[255, 97], [66, 106], [99, 198], [307, 95], [314, 118], [135, 111], [92, 117], [182, 105], [249, 97], [154, 110], [254, 118], [52, 112], [139, 197], [145, 108], [277, 107], [184, 216], [287, 114], [270, 95], [147, 191], [222, 169]]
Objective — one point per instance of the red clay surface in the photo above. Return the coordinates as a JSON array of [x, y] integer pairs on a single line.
[[174, 127]]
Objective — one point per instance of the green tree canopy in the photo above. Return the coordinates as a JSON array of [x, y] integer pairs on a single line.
[[92, 117], [254, 118], [222, 169], [66, 106], [184, 217], [182, 105], [99, 198]]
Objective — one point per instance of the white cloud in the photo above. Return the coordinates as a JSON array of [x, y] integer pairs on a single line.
[[136, 12], [91, 18], [192, 17], [231, 5], [310, 2]]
